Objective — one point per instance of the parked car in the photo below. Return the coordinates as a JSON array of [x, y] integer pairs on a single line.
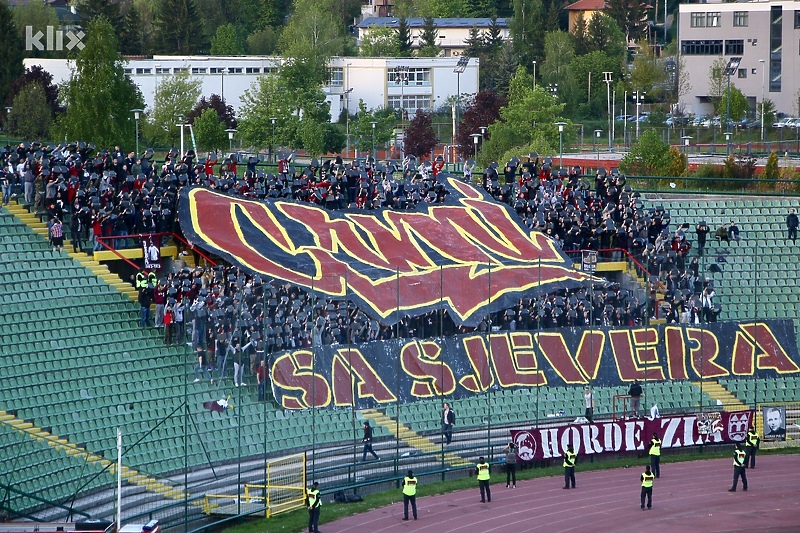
[[750, 123], [623, 118], [785, 122], [698, 120]]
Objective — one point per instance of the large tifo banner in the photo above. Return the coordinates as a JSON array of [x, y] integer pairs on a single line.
[[632, 435], [469, 254], [383, 372]]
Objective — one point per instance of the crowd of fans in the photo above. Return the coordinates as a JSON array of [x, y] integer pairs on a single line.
[[230, 316]]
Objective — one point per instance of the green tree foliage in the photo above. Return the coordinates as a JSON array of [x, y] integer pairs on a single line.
[[580, 39], [380, 42], [529, 119], [38, 16], [134, 37], [739, 105], [442, 8], [559, 53], [527, 31], [31, 118], [420, 138], [648, 72], [630, 17], [210, 132], [227, 41], [716, 79], [225, 113], [11, 51], [649, 156], [98, 95], [361, 127], [404, 37], [498, 67], [428, 39], [771, 170], [110, 9], [595, 63], [604, 35], [768, 113], [37, 75], [263, 42], [482, 111], [179, 29], [175, 97]]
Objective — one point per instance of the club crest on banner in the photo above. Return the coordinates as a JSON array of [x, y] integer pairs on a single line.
[[526, 445], [738, 423]]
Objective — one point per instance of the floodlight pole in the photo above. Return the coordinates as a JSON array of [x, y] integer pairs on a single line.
[[461, 66], [181, 126], [272, 146], [639, 98], [475, 137], [763, 70], [374, 124], [8, 137], [561, 143], [596, 138]]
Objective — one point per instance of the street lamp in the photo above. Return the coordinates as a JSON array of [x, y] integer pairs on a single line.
[[553, 89], [181, 125], [561, 143], [639, 96], [230, 132], [461, 66], [272, 146], [763, 70], [686, 139], [8, 112], [475, 137], [730, 69], [728, 140], [534, 74], [595, 139], [137, 114], [374, 124], [347, 120], [607, 76], [401, 77]]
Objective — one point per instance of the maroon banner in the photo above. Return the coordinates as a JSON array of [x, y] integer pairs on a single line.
[[632, 435]]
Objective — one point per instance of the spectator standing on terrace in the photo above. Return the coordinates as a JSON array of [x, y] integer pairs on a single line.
[[160, 297], [655, 455], [569, 467], [702, 231], [588, 398], [635, 392], [261, 377], [178, 311], [169, 318], [647, 488], [57, 235], [367, 440], [511, 465], [791, 226], [144, 304], [448, 421], [733, 232], [482, 469]]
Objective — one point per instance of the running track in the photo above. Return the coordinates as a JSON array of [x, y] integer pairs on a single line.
[[689, 496]]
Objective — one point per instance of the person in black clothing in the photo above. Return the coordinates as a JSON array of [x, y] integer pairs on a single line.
[[791, 225], [145, 299], [367, 440], [702, 231], [635, 392]]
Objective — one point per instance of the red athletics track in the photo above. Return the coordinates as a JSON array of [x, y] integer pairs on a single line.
[[690, 496]]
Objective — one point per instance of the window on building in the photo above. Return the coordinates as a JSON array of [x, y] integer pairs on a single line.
[[775, 48], [713, 19], [179, 70], [797, 19], [701, 48], [742, 73], [162, 70], [415, 76], [411, 103], [144, 71], [698, 20], [336, 75], [196, 70], [236, 70], [734, 47], [740, 19], [252, 70], [128, 71], [216, 70]]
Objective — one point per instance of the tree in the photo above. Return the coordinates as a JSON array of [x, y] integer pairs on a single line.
[[210, 132], [179, 29], [482, 111], [31, 118], [428, 39], [591, 66], [99, 95], [442, 8], [476, 44], [528, 31], [110, 9], [739, 105], [648, 72], [37, 75], [361, 128], [175, 97], [37, 15], [227, 42], [604, 35], [580, 39], [559, 52], [498, 67], [649, 156], [133, 34], [380, 42], [768, 113], [225, 113], [11, 51], [404, 37], [630, 16], [716, 79], [419, 137], [263, 42], [771, 170]]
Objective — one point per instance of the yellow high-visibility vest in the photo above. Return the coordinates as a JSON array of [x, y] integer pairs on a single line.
[[409, 486], [483, 471]]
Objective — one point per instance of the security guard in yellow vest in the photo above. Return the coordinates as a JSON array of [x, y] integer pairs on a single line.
[[409, 494], [141, 280], [751, 446], [647, 487], [569, 467], [314, 504], [655, 455], [482, 468], [738, 468]]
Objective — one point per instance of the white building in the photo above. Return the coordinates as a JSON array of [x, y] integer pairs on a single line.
[[428, 83], [766, 35]]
